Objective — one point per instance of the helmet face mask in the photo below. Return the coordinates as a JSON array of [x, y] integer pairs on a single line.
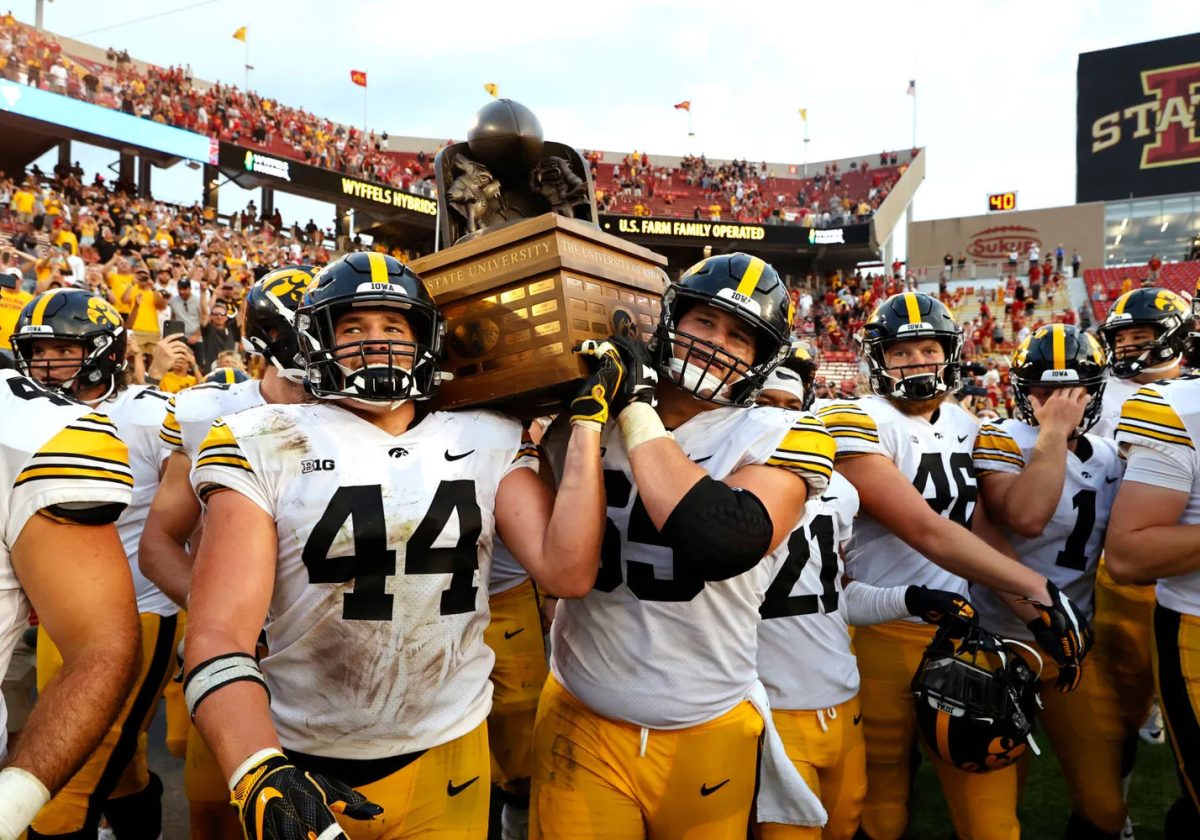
[[976, 699], [383, 372], [911, 316], [739, 286], [1163, 311], [76, 316], [1059, 356]]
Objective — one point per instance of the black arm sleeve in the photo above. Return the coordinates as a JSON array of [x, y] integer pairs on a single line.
[[720, 530]]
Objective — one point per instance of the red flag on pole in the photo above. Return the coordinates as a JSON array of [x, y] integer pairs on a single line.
[[359, 77], [685, 105]]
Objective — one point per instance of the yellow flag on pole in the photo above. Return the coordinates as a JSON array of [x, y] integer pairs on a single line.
[[240, 34], [492, 88], [804, 114]]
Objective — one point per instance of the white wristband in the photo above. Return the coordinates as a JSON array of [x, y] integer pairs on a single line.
[[640, 424], [244, 767], [22, 795]]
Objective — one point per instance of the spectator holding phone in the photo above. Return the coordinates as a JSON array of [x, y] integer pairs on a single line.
[[219, 330], [12, 301], [145, 302]]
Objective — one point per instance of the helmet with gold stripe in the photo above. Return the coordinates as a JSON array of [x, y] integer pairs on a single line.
[[1163, 315], [912, 316], [347, 363], [270, 317], [976, 698], [1059, 356], [708, 366], [76, 317], [227, 376]]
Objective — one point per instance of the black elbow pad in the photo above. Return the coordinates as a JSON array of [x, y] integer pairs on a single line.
[[719, 531]]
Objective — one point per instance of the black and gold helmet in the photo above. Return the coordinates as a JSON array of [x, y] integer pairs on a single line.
[[227, 376], [976, 699], [906, 316], [744, 286], [1059, 356], [271, 307], [389, 371], [1165, 311], [79, 316]]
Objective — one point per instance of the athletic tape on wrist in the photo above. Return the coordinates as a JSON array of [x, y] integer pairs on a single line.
[[218, 672], [22, 795], [640, 424], [252, 762]]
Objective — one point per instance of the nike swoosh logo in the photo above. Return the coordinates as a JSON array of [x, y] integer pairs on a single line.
[[705, 790], [701, 460], [454, 790], [1108, 480], [828, 498], [450, 457], [858, 719], [962, 439], [260, 807], [509, 635]]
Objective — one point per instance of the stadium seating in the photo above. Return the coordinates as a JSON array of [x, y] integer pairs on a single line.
[[1178, 277]]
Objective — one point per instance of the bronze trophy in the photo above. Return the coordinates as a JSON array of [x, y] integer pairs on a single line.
[[528, 275]]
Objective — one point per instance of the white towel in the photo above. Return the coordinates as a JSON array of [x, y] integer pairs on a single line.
[[783, 795]]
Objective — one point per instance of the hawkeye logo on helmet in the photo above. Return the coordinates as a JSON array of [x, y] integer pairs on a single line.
[[744, 301], [918, 327]]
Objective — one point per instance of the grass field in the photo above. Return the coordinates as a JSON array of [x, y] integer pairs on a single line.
[[1044, 806]]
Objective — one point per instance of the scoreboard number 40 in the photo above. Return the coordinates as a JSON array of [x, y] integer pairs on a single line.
[[1002, 201]]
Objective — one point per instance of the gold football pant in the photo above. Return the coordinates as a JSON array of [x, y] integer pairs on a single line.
[[1177, 676], [601, 779], [982, 805], [827, 748], [515, 635], [117, 768], [1122, 624], [1088, 738], [178, 719], [441, 795]]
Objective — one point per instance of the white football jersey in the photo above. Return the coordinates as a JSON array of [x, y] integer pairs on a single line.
[[804, 655], [653, 644], [935, 455], [1069, 547], [54, 451], [190, 413], [1116, 391], [138, 412], [1165, 417], [375, 628]]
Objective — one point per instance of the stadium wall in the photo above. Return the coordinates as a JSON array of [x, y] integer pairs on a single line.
[[990, 238]]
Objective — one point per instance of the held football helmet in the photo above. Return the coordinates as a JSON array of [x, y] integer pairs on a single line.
[[976, 699], [744, 286], [371, 371], [79, 316], [1161, 309], [905, 316], [1059, 356], [227, 376], [271, 307]]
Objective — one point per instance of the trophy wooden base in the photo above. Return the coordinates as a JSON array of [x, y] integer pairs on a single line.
[[518, 301]]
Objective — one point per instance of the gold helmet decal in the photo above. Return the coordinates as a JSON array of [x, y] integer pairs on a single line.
[[289, 285], [102, 312], [1169, 302]]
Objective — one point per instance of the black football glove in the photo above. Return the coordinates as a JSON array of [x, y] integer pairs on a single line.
[[641, 377], [622, 373], [276, 800], [937, 606], [1063, 632]]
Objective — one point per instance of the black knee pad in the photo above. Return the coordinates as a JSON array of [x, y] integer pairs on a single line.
[[1080, 829], [139, 816]]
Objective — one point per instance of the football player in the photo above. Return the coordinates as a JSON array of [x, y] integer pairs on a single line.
[[1050, 486], [1146, 333], [515, 635], [907, 450], [66, 479], [649, 725], [73, 342], [1153, 536], [175, 513], [360, 531], [804, 654]]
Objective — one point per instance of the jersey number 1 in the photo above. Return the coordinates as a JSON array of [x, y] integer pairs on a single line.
[[372, 562]]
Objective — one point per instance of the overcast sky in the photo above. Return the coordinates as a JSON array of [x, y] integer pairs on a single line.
[[995, 80]]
